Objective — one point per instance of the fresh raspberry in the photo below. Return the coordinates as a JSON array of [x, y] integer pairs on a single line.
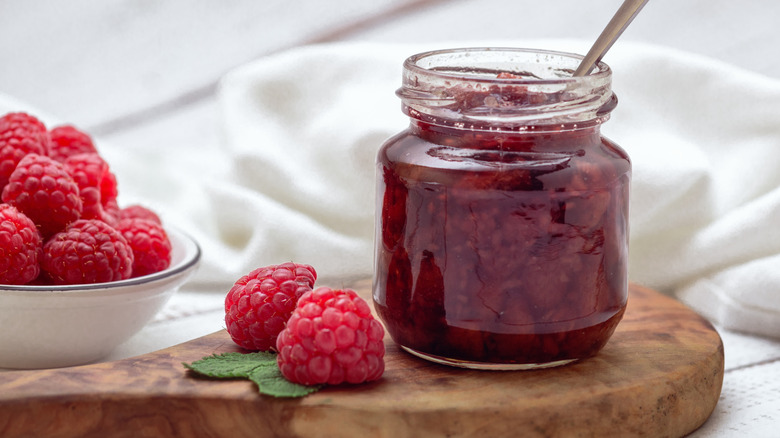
[[111, 213], [108, 188], [67, 141], [89, 171], [139, 211], [331, 338], [42, 189], [88, 251], [259, 303], [20, 247], [20, 134], [150, 244]]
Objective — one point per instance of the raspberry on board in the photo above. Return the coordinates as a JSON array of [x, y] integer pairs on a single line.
[[87, 251], [332, 338], [67, 140], [21, 247], [42, 189], [150, 244], [259, 304], [20, 134]]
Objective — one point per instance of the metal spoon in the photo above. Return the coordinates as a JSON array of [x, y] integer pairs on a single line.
[[623, 17]]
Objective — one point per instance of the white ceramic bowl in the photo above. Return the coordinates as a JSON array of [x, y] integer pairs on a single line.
[[58, 326]]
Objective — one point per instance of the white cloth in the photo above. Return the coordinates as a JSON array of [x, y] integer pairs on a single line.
[[303, 127], [294, 179]]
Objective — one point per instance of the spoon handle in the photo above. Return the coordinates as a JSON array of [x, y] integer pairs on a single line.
[[623, 17]]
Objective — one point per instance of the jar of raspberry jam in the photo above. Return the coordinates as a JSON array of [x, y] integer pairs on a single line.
[[502, 212]]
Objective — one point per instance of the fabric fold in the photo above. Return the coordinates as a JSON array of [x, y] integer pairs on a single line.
[[701, 135]]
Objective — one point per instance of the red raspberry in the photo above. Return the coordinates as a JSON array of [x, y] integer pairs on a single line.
[[331, 338], [67, 141], [87, 170], [90, 172], [139, 211], [260, 303], [111, 213], [108, 188], [42, 189], [88, 251], [150, 244], [20, 134], [20, 247]]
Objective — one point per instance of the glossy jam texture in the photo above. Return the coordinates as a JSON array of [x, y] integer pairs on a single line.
[[506, 248]]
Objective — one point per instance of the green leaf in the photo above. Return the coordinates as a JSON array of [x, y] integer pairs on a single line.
[[231, 365], [259, 367], [270, 381]]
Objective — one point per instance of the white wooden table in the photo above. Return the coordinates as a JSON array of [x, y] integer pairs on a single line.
[[142, 75]]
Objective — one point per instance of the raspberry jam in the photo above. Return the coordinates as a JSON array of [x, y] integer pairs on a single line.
[[502, 213]]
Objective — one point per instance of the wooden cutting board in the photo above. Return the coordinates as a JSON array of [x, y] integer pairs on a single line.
[[660, 375]]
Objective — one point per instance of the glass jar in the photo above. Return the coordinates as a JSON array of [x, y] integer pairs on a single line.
[[502, 212]]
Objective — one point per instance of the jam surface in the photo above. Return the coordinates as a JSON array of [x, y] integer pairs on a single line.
[[501, 247]]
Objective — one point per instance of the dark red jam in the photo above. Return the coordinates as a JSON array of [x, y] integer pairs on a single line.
[[502, 248]]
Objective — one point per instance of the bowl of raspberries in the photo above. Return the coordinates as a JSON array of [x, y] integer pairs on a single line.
[[79, 274]]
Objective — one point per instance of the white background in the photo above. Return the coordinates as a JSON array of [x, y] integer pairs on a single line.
[[142, 74]]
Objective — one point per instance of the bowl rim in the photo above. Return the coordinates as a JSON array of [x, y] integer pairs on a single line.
[[192, 255]]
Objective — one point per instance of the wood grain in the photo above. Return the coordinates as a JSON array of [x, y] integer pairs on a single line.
[[660, 375]]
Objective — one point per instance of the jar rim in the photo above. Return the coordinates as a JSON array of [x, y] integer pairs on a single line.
[[504, 88], [600, 72]]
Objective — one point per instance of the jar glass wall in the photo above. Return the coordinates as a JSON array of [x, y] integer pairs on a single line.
[[502, 212]]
